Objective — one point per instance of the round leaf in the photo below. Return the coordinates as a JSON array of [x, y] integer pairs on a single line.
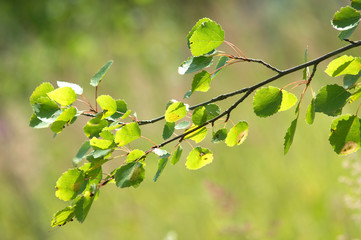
[[199, 116], [198, 158], [70, 184], [40, 91], [237, 134], [267, 101], [127, 134], [330, 99], [346, 18], [64, 96], [108, 104], [175, 112]]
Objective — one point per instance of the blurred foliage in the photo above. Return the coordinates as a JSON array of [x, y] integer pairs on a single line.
[[250, 192]]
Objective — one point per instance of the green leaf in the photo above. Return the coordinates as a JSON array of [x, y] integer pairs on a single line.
[[82, 206], [221, 62], [94, 127], [237, 134], [330, 99], [168, 130], [64, 96], [64, 118], [356, 95], [108, 104], [97, 143], [176, 155], [288, 100], [267, 101], [70, 184], [346, 18], [345, 136], [46, 109], [135, 155], [197, 135], [344, 65], [77, 89], [40, 91], [356, 4], [175, 112], [201, 82], [220, 135], [126, 114], [61, 217], [131, 174], [195, 27], [83, 150], [347, 33], [212, 111], [207, 36], [350, 80], [127, 134], [198, 158], [99, 153], [310, 114], [194, 64], [35, 122], [96, 79], [182, 125], [121, 110], [289, 136], [162, 162], [187, 94], [199, 116]]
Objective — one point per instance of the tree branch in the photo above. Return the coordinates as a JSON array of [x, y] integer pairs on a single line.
[[280, 74]]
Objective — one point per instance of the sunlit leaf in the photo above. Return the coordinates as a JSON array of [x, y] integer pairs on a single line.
[[63, 119], [64, 96], [310, 114], [176, 155], [355, 96], [201, 82], [207, 36], [289, 136], [77, 89], [345, 136], [97, 143], [175, 112], [194, 64], [96, 79], [121, 110], [346, 18], [330, 99], [40, 91], [288, 101], [70, 184], [108, 104], [237, 134], [61, 217], [134, 155], [344, 65], [94, 127], [197, 135], [131, 174], [267, 101], [127, 134], [198, 158]]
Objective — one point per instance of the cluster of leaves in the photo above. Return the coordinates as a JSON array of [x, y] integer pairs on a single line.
[[114, 128]]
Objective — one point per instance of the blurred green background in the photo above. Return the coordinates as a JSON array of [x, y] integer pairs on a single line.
[[249, 192]]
